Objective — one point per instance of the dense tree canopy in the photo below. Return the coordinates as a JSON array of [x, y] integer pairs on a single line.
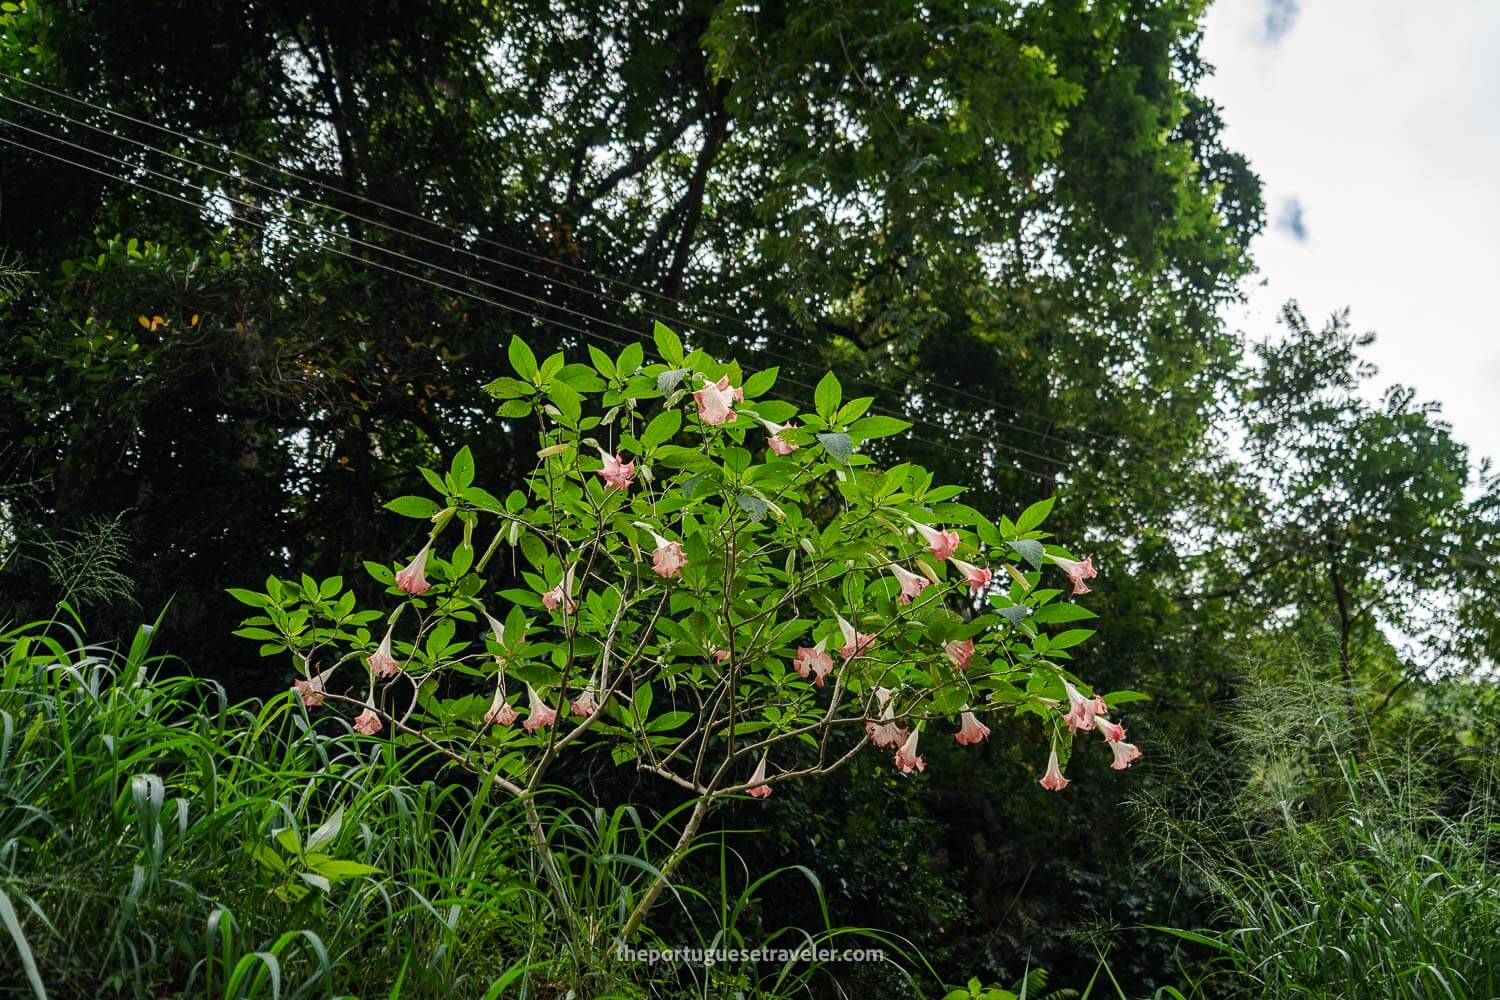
[[1014, 224]]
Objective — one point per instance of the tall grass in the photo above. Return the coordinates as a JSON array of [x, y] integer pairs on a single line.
[[1346, 861], [156, 840]]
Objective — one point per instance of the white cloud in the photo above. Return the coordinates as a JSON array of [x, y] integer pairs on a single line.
[[1377, 118]]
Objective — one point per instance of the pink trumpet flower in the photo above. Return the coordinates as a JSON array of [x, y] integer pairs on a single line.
[[758, 786], [715, 404], [814, 662], [1053, 780], [1081, 710], [976, 577], [885, 733], [1124, 754], [906, 758], [960, 653], [500, 713], [381, 662], [1077, 571], [367, 722], [541, 714], [412, 577], [313, 692], [911, 583], [719, 655], [855, 643], [559, 596], [972, 731], [585, 704], [940, 543], [779, 444], [668, 558], [616, 474], [1112, 732]]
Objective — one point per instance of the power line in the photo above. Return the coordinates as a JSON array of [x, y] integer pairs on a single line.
[[200, 207], [426, 280], [985, 442], [188, 137]]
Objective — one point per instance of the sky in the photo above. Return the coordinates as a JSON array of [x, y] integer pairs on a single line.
[[1375, 128]]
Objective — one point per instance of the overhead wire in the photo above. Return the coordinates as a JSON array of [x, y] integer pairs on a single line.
[[463, 276], [586, 333], [364, 199], [587, 317]]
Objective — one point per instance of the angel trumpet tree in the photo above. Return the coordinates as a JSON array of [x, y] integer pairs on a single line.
[[783, 552]]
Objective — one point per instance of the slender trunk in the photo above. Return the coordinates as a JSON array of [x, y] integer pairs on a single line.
[[550, 871], [667, 869], [1346, 668]]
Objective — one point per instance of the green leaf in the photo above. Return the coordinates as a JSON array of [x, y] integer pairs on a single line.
[[1056, 614], [419, 507], [876, 427], [515, 408], [326, 833], [839, 446], [521, 359], [1072, 637], [603, 363], [671, 379], [249, 597], [1034, 515], [1115, 698], [753, 506], [826, 397], [630, 359], [1031, 550], [462, 469], [760, 383], [661, 428], [668, 344]]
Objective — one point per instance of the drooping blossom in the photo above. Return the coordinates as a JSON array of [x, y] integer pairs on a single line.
[[911, 583], [1077, 571], [585, 704], [885, 733], [313, 692], [855, 643], [1053, 780], [758, 786], [496, 628], [1081, 710], [719, 655], [411, 577], [367, 722], [668, 558], [616, 474], [940, 543], [715, 404], [500, 713], [541, 714], [814, 662], [381, 662], [960, 653], [779, 444], [1124, 754], [976, 577], [906, 758], [971, 730], [1112, 732], [560, 595]]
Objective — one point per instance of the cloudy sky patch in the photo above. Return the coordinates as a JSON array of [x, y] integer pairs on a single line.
[[1376, 122]]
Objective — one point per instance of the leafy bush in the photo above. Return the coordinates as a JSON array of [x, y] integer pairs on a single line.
[[1347, 861], [744, 601]]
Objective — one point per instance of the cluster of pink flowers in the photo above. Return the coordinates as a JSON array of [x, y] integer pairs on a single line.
[[1084, 715]]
